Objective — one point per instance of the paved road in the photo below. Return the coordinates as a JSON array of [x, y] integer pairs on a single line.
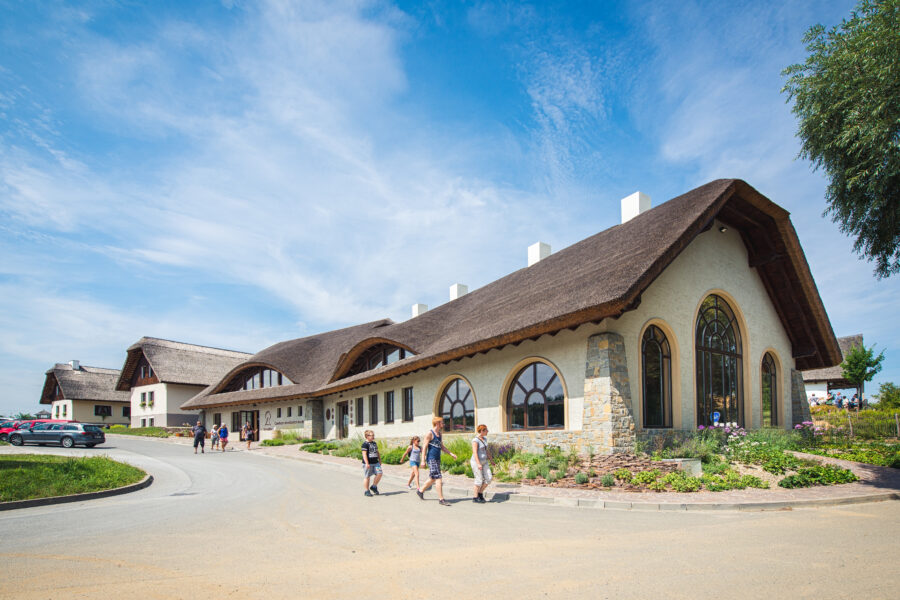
[[248, 526]]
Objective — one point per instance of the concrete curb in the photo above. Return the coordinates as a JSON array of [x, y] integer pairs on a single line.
[[125, 489], [600, 503]]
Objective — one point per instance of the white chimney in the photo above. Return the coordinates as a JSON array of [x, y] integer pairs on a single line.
[[457, 290], [538, 252], [75, 365], [634, 205], [418, 309]]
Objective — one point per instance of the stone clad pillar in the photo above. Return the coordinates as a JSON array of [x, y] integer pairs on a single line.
[[316, 415], [608, 419], [799, 403]]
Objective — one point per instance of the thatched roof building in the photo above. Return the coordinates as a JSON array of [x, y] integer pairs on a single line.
[[834, 376], [600, 277], [177, 362], [78, 382]]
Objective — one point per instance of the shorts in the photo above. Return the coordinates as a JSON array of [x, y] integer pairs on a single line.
[[413, 463], [434, 468], [483, 475], [372, 470], [199, 441], [213, 438]]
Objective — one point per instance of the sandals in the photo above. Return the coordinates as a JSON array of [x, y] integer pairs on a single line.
[[443, 502]]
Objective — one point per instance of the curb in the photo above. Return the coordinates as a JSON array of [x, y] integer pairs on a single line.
[[600, 503], [125, 489]]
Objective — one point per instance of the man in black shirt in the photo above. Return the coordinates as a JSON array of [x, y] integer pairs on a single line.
[[199, 437]]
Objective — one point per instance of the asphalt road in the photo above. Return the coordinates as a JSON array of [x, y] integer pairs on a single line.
[[248, 526]]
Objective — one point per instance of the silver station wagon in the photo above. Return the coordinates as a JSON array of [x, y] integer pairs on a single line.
[[64, 434]]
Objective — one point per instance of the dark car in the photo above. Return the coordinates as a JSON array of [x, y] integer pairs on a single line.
[[64, 434]]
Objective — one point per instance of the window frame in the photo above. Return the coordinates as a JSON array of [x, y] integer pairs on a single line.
[[732, 374], [517, 372], [661, 340], [373, 409], [445, 399], [408, 405], [389, 406], [771, 365]]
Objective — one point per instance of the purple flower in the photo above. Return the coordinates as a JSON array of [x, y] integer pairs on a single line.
[[727, 430], [701, 427], [798, 426]]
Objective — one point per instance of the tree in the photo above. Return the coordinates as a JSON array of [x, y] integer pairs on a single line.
[[24, 416], [888, 395], [860, 365], [847, 100]]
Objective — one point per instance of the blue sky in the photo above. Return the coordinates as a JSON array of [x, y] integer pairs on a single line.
[[238, 173]]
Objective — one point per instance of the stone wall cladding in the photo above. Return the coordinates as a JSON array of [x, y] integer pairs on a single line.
[[317, 417], [799, 403]]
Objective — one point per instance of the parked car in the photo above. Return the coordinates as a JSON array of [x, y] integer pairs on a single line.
[[6, 427], [64, 434]]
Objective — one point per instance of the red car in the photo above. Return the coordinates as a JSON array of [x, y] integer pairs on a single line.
[[7, 426]]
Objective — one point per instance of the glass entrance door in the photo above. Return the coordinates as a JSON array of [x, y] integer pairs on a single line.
[[252, 417], [343, 419]]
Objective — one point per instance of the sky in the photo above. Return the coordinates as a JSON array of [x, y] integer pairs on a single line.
[[235, 173]]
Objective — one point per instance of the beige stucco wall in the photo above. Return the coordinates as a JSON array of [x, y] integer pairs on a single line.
[[715, 262], [83, 411], [167, 401]]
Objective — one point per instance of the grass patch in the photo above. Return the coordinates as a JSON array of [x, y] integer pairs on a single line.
[[157, 432], [29, 476]]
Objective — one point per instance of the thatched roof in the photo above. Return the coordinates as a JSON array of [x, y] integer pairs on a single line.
[[599, 277], [84, 383], [835, 375], [177, 362]]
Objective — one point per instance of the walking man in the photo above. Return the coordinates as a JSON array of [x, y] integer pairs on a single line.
[[435, 446], [199, 436]]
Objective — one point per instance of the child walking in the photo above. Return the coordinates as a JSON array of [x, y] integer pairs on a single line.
[[371, 463], [214, 437], [415, 459]]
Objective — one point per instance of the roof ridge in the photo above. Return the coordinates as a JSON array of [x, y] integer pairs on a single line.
[[153, 341]]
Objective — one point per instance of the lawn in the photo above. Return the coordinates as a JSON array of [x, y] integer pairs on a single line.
[[29, 476], [157, 432]]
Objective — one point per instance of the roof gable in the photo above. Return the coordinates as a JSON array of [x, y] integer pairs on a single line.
[[84, 383], [178, 362]]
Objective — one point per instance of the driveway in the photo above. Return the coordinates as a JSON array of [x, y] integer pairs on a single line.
[[247, 525]]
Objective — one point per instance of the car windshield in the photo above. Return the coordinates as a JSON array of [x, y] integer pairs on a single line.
[[92, 428], [7, 424]]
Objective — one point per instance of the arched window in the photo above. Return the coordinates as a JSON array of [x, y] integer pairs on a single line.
[[458, 406], [718, 351], [255, 378], [656, 378], [536, 399], [769, 392], [379, 355]]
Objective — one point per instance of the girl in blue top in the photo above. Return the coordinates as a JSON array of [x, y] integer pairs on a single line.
[[415, 458]]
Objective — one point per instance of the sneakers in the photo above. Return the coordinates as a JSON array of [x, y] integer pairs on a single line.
[[420, 494], [368, 493], [374, 490], [410, 486], [443, 502]]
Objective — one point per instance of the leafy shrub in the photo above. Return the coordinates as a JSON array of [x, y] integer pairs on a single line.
[[819, 475], [592, 472], [532, 472], [607, 480], [581, 478], [458, 470], [393, 456], [275, 442], [469, 473], [681, 482], [545, 471], [646, 477], [657, 485], [320, 448], [623, 475]]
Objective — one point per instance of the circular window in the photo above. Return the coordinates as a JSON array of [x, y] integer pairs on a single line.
[[327, 414]]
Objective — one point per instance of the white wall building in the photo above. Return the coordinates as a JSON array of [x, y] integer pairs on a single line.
[[85, 394]]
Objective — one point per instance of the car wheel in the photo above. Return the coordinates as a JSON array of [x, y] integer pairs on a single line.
[[3, 437], [16, 440], [67, 442]]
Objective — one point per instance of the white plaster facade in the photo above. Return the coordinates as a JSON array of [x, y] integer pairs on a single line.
[[83, 411], [715, 262], [166, 409]]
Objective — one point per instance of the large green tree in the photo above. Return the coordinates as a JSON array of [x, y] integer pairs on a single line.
[[888, 395], [860, 365], [847, 99]]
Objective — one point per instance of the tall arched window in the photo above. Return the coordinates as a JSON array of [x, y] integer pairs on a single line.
[[536, 399], [769, 392], [656, 378], [458, 406], [718, 351]]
